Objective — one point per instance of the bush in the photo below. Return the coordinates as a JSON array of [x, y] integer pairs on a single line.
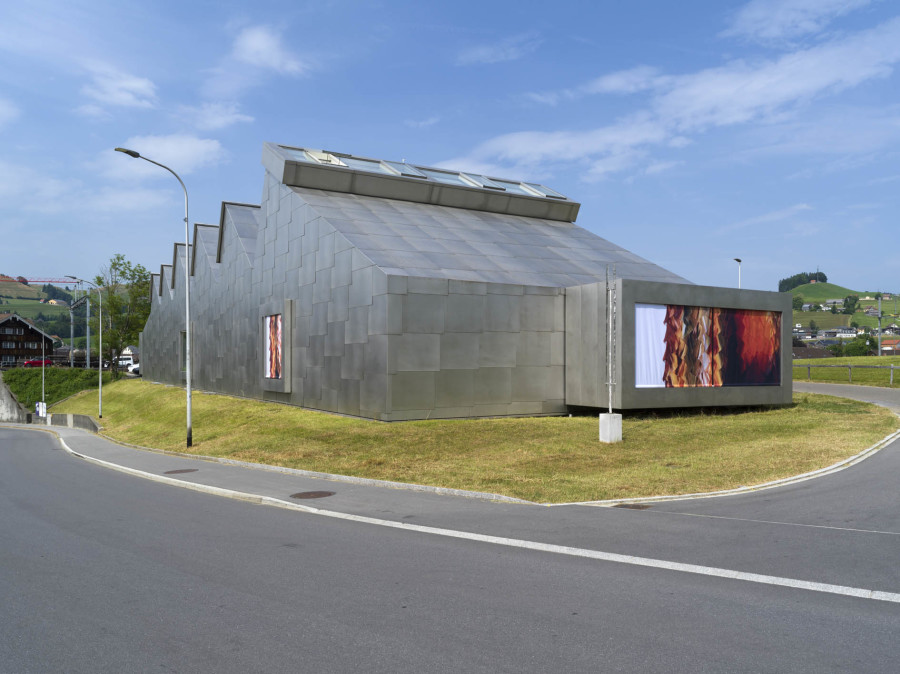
[[59, 383]]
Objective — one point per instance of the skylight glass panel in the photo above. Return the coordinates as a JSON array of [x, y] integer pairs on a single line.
[[297, 155], [515, 188], [448, 178], [545, 191], [481, 181], [405, 169], [363, 164]]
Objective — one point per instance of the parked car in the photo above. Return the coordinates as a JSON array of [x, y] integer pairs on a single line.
[[135, 369], [37, 362]]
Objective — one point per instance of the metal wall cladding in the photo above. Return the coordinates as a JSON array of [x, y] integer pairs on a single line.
[[387, 342]]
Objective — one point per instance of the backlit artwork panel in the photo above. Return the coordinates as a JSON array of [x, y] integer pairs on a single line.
[[684, 346], [273, 346]]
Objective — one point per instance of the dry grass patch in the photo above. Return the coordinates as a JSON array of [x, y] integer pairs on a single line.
[[549, 459]]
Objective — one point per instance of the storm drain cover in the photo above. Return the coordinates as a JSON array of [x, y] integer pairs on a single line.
[[180, 470], [312, 494], [631, 506]]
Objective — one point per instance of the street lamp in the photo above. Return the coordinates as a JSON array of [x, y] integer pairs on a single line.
[[99, 348], [187, 287], [738, 260]]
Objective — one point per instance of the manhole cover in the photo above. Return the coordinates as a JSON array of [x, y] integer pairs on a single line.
[[180, 470], [631, 506], [312, 494]]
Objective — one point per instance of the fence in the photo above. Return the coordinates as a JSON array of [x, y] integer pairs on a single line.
[[850, 370]]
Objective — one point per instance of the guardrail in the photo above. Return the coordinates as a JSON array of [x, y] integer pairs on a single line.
[[850, 370]]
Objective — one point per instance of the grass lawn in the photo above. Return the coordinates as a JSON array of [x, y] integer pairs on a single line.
[[550, 459], [31, 308], [839, 375]]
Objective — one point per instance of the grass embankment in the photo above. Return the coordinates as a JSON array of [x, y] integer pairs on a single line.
[[555, 459], [839, 375], [59, 383]]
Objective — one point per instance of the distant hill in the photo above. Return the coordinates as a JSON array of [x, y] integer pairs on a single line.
[[819, 292], [10, 288]]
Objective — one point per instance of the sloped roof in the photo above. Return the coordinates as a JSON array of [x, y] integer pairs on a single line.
[[414, 239]]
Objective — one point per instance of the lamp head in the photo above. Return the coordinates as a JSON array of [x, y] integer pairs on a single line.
[[130, 153], [738, 260]]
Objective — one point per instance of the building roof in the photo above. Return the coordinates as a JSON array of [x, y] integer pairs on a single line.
[[30, 324], [414, 239]]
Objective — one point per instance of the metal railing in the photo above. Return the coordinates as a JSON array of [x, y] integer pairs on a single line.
[[850, 370]]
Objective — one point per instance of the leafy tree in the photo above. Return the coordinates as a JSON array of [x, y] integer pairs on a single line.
[[797, 302], [126, 304], [857, 347], [787, 284], [834, 309], [813, 327], [54, 293], [850, 303]]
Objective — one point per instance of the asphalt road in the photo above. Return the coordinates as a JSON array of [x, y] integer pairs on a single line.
[[106, 572]]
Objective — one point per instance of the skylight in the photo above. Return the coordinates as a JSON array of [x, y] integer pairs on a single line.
[[403, 169]]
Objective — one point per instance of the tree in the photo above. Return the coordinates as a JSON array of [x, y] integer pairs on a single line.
[[813, 328], [797, 302], [834, 309], [787, 284], [850, 303], [126, 304]]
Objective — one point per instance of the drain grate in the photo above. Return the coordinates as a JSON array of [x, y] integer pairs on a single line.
[[180, 471], [312, 494], [631, 506]]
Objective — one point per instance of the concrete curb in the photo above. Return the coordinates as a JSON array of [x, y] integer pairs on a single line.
[[350, 479]]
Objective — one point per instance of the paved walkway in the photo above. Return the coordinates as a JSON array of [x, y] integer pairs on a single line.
[[886, 397]]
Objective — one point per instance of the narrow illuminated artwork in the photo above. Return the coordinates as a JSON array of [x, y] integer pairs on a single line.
[[683, 346], [273, 339]]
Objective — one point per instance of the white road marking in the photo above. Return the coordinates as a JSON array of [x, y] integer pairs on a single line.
[[732, 574]]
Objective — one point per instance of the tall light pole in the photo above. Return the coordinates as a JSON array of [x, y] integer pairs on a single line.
[[738, 260], [100, 347], [187, 286]]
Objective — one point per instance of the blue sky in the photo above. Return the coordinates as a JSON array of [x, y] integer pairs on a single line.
[[691, 132]]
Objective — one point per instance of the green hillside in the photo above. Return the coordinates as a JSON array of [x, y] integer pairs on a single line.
[[15, 290], [819, 292]]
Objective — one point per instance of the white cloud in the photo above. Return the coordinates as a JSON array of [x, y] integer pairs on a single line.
[[740, 91], [661, 166], [785, 214], [256, 50], [624, 82], [775, 20], [214, 116], [182, 153], [509, 49], [422, 123], [260, 46], [737, 93], [8, 112], [32, 191], [110, 86]]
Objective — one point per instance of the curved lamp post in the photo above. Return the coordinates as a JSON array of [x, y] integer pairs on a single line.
[[738, 260], [100, 347], [187, 287]]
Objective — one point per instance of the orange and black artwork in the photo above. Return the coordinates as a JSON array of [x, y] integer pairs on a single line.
[[684, 346]]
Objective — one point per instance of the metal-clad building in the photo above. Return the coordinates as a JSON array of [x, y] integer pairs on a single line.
[[392, 291]]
